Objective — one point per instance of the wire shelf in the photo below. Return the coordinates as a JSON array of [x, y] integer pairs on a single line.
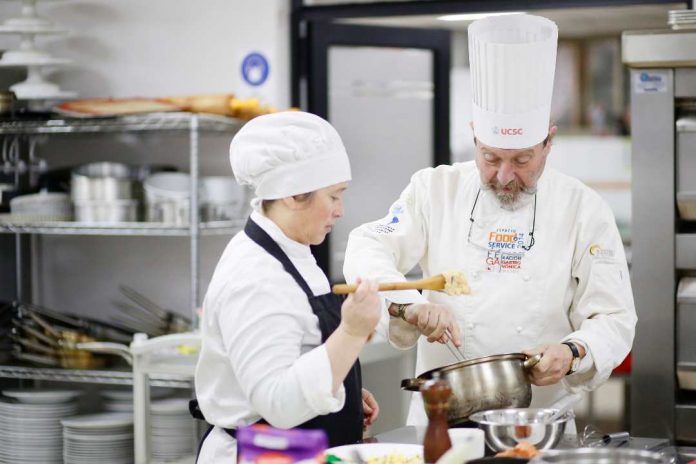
[[174, 121], [105, 377], [153, 229]]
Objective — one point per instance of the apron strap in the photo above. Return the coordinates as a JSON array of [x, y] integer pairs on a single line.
[[261, 237]]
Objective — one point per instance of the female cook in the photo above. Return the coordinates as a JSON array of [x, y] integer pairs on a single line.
[[277, 346]]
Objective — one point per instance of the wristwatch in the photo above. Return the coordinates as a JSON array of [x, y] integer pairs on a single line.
[[576, 357], [401, 310]]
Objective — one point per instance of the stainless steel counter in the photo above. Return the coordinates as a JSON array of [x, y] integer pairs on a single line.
[[414, 435]]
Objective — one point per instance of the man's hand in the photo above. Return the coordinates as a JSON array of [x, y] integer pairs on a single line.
[[370, 408], [434, 321], [554, 364]]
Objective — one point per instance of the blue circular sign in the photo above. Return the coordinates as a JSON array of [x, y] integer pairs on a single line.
[[255, 69]]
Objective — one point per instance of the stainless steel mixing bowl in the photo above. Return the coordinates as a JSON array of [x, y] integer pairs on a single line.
[[505, 428]]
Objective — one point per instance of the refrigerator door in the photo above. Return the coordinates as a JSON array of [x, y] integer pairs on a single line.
[[381, 102]]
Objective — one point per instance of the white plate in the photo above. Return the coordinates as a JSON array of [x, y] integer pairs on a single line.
[[31, 29], [99, 421], [375, 450], [42, 396], [172, 406]]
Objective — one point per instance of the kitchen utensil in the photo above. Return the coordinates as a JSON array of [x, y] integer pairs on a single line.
[[7, 102], [103, 181], [225, 199], [111, 212], [492, 382], [564, 405], [96, 329], [144, 302], [600, 456], [168, 197], [141, 315], [456, 352], [506, 428], [452, 283], [593, 437]]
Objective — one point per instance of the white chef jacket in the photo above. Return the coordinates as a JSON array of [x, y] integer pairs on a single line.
[[261, 354], [573, 284]]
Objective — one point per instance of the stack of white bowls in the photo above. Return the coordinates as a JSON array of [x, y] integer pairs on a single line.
[[224, 199], [104, 192], [98, 439], [173, 429], [30, 429]]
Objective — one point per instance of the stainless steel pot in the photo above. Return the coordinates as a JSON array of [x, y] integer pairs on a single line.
[[103, 181], [493, 382]]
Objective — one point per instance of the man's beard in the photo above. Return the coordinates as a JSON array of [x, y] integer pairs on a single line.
[[514, 197]]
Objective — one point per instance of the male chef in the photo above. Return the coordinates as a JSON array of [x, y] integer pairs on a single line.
[[541, 251]]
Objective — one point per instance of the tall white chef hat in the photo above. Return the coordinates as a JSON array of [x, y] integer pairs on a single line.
[[513, 60], [288, 153]]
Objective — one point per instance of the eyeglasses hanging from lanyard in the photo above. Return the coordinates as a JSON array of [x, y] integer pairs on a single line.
[[531, 234]]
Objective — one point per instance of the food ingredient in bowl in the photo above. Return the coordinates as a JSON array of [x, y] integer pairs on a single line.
[[524, 449]]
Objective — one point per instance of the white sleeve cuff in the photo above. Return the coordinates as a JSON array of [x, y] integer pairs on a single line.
[[313, 370]]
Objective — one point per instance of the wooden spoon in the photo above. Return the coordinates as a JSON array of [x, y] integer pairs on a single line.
[[453, 283]]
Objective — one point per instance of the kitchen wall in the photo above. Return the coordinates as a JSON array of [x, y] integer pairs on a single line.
[[164, 47], [155, 48]]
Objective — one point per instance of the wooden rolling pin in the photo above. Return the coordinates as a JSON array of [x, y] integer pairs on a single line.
[[452, 283]]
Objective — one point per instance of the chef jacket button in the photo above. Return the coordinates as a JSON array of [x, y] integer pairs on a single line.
[[519, 329]]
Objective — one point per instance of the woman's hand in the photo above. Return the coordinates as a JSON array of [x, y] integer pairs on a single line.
[[360, 312], [370, 408]]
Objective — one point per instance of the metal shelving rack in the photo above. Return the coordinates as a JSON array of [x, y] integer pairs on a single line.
[[153, 122], [105, 377], [149, 369], [122, 229], [194, 124]]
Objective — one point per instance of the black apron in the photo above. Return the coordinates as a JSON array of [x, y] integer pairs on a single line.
[[345, 426]]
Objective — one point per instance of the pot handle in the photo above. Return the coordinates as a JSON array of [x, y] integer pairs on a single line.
[[412, 384], [532, 361]]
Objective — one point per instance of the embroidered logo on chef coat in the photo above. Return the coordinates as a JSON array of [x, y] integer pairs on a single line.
[[597, 252], [389, 224], [505, 252]]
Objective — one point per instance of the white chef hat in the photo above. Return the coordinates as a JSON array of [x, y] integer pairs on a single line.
[[288, 153], [513, 60]]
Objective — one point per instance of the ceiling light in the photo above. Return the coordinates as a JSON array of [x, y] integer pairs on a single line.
[[474, 16]]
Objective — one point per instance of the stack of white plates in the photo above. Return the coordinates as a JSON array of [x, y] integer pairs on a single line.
[[172, 429], [682, 19], [117, 400], [30, 429], [98, 438], [122, 400]]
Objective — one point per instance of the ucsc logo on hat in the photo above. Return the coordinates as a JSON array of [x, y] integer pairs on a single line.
[[508, 130]]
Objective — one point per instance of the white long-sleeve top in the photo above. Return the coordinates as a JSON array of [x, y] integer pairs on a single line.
[[261, 355], [572, 284]]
